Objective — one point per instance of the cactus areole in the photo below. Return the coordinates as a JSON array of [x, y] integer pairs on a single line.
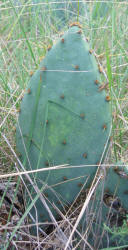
[[64, 119]]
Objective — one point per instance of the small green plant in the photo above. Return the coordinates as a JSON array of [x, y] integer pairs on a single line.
[[121, 231]]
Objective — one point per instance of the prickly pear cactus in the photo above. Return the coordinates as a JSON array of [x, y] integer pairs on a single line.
[[110, 206], [64, 119]]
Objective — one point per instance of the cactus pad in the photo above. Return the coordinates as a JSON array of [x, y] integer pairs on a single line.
[[110, 206], [64, 119]]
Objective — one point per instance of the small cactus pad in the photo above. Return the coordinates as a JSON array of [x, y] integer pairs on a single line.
[[63, 116], [110, 207]]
